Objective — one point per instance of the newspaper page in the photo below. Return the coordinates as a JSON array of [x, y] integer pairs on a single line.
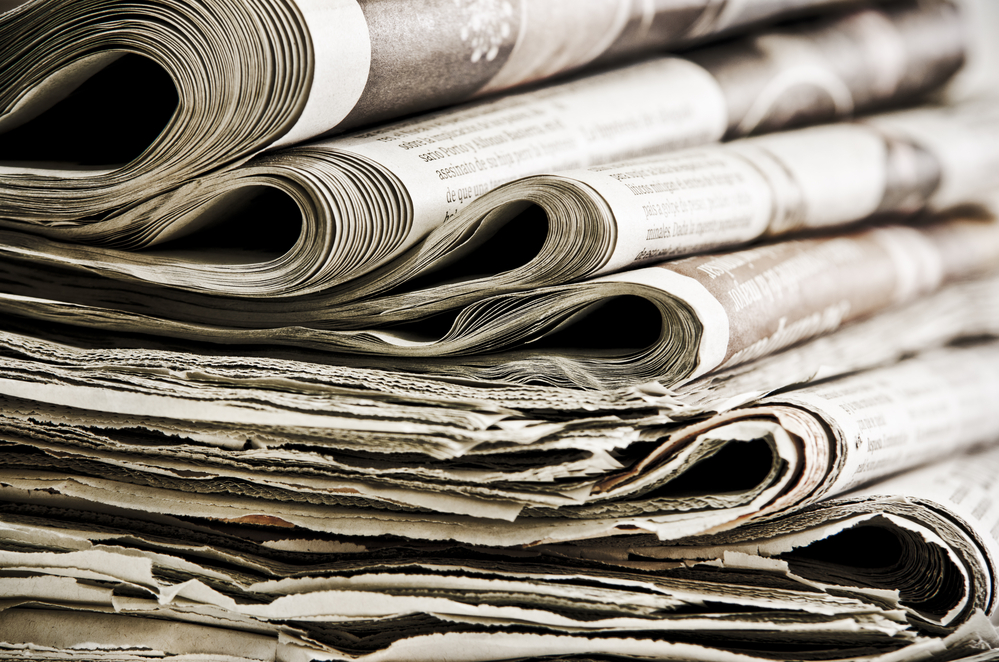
[[688, 317], [314, 232], [703, 313], [928, 532], [963, 489], [965, 309], [647, 210], [413, 414], [303, 68], [892, 548], [122, 586], [794, 180], [778, 294], [856, 429], [772, 583], [123, 436], [348, 205], [458, 50], [896, 59], [907, 415]]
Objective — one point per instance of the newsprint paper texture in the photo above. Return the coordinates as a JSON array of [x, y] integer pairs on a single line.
[[318, 216], [291, 70]]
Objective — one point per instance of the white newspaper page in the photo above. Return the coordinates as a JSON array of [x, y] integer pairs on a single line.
[[918, 410], [446, 162], [716, 196]]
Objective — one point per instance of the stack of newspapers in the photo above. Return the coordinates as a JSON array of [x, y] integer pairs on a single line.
[[477, 330]]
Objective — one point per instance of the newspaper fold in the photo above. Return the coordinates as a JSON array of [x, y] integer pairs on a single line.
[[838, 580], [669, 323], [646, 210], [883, 533], [219, 82], [207, 437], [625, 215], [305, 219]]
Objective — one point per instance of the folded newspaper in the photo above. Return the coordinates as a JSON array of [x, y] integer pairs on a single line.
[[351, 451], [218, 81], [188, 473], [668, 323], [159, 502], [527, 233], [315, 216], [645, 210], [319, 215], [844, 579]]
